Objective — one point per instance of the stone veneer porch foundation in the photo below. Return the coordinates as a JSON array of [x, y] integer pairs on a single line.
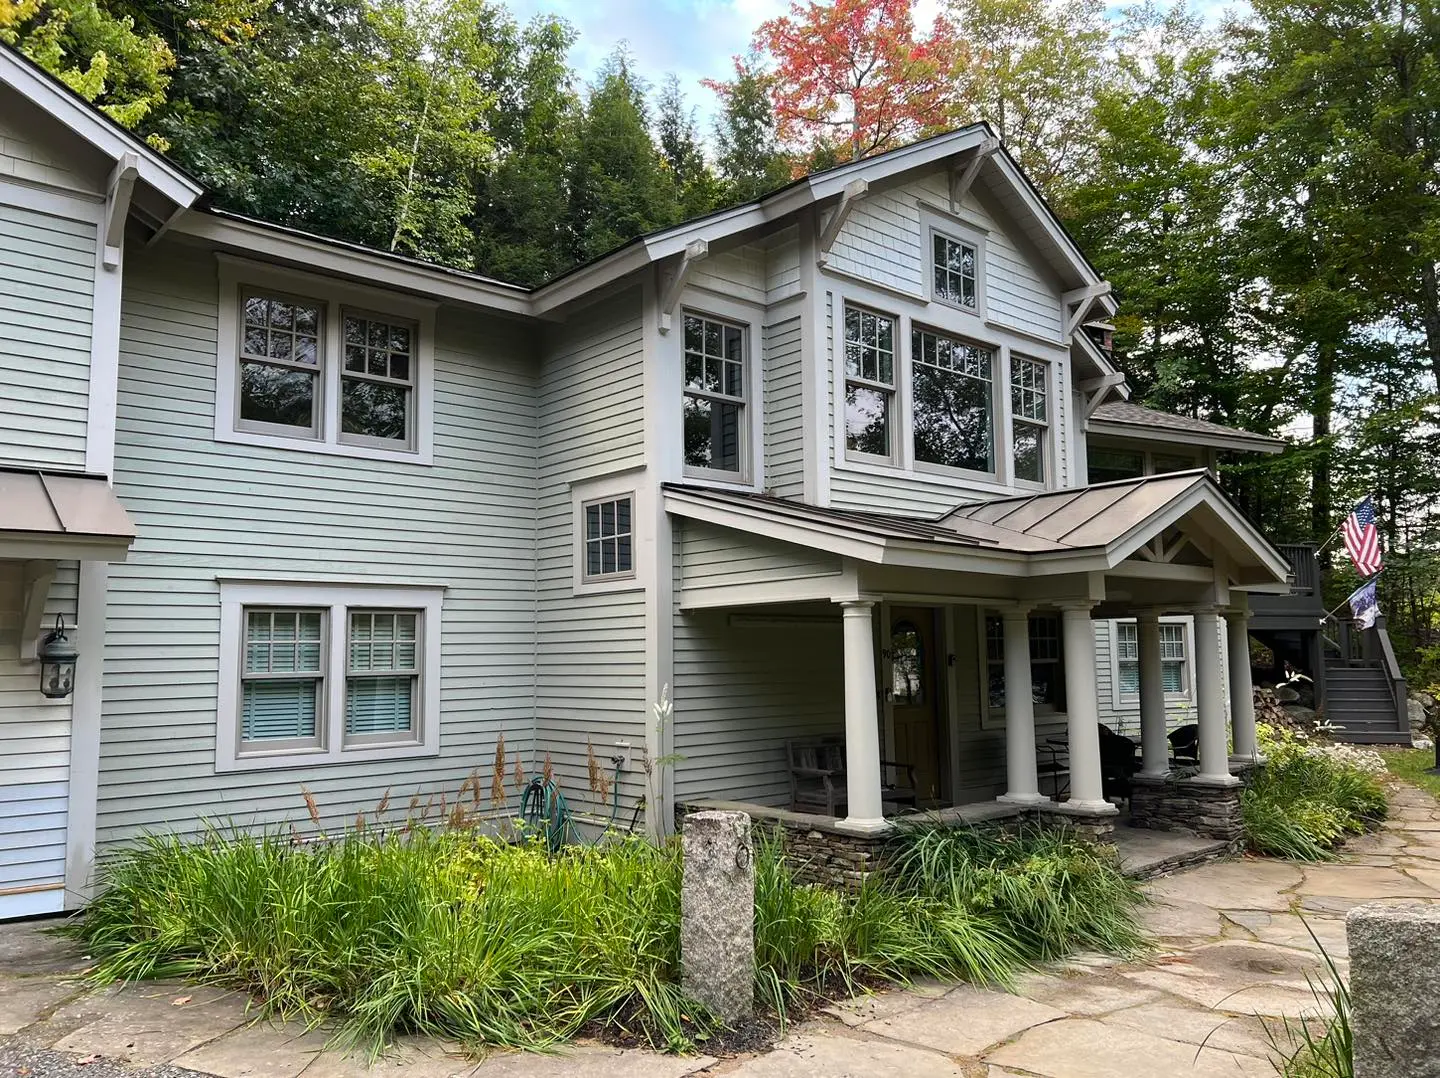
[[1191, 806]]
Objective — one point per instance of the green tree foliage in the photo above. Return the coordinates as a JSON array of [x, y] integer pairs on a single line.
[[748, 157], [697, 190]]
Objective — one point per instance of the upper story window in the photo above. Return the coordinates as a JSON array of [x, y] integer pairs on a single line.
[[869, 382], [609, 539], [311, 363], [1030, 417], [955, 265], [953, 390], [715, 396]]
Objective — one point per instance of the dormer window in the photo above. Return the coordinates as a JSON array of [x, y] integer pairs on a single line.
[[956, 269]]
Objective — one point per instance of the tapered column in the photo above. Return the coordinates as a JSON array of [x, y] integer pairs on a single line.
[[862, 721], [1022, 783], [1210, 700], [1242, 693], [1154, 746], [1086, 788]]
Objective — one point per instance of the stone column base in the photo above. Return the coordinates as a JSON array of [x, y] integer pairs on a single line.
[[1092, 824], [1189, 807]]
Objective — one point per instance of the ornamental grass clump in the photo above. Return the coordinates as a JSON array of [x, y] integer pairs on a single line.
[[1308, 798]]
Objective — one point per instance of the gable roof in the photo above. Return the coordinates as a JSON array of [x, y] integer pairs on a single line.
[[1128, 420]]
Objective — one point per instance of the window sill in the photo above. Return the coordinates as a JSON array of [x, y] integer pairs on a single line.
[[608, 585], [276, 761], [719, 480], [314, 445]]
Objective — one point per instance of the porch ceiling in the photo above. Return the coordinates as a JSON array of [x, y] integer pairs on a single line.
[[1133, 527]]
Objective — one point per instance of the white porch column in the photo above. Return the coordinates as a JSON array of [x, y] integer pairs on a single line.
[[1078, 636], [1022, 783], [1210, 700], [1154, 747], [862, 721], [1242, 693]]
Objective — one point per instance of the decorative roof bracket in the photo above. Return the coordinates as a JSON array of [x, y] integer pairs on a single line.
[[117, 205], [695, 250], [854, 191], [1082, 299], [1096, 389], [962, 178]]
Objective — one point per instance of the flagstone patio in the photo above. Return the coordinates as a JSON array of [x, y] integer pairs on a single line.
[[1234, 950]]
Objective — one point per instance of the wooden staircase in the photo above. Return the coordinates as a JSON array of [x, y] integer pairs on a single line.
[[1361, 700]]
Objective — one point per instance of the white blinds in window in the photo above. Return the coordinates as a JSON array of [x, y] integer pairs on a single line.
[[284, 668], [383, 672], [1172, 657]]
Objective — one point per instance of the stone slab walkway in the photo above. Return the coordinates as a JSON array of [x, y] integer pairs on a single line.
[[1233, 951]]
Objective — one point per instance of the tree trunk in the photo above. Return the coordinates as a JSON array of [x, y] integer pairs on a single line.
[[1321, 509], [1430, 314]]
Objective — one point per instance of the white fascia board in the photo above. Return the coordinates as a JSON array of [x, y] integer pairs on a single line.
[[1140, 432], [82, 119], [796, 532], [1073, 255], [323, 256]]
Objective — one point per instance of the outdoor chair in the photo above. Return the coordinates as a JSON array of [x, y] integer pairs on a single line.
[[817, 777], [1185, 745], [1053, 759], [1119, 760]]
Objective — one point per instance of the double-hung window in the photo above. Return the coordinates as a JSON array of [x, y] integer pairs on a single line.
[[715, 396], [1172, 657], [377, 385], [1047, 680], [1029, 417], [609, 539], [955, 268], [954, 404], [326, 673], [869, 382], [280, 364]]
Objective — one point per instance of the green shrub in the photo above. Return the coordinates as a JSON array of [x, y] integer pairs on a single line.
[[459, 935], [1308, 798]]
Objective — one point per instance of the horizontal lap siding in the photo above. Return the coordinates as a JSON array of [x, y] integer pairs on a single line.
[[784, 410], [205, 508], [712, 556], [46, 312], [590, 662], [782, 265], [740, 692], [739, 273]]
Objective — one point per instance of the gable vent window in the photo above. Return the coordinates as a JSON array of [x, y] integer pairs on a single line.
[[280, 365], [715, 398], [609, 539], [869, 382], [1030, 417], [954, 403], [956, 272]]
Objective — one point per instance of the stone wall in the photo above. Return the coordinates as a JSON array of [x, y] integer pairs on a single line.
[[1188, 806]]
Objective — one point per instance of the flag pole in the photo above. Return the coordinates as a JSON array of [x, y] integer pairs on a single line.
[[1331, 613]]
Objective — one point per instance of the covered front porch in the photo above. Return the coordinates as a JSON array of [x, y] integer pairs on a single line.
[[853, 667]]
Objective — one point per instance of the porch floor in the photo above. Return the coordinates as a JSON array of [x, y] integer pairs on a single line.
[[1145, 853]]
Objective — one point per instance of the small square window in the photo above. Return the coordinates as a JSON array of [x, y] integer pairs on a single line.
[[609, 548], [956, 271]]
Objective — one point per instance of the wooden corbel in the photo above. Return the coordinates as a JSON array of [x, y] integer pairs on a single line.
[[37, 576], [695, 250], [1096, 389], [1078, 303], [962, 177], [117, 205], [854, 191]]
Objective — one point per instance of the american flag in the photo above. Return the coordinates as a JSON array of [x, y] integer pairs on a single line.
[[1362, 538]]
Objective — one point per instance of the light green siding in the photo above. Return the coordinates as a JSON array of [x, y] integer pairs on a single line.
[[784, 410], [205, 508], [590, 661], [48, 266]]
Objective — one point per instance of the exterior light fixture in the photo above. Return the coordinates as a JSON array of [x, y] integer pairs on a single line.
[[58, 657]]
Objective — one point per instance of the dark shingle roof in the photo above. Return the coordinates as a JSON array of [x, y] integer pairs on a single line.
[[1135, 415]]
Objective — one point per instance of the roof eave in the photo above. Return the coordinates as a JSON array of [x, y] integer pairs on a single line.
[[1144, 432]]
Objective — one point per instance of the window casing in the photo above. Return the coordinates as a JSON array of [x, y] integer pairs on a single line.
[[609, 543], [870, 372], [715, 399], [326, 673], [953, 402], [1029, 418], [1047, 668], [955, 271], [1173, 658]]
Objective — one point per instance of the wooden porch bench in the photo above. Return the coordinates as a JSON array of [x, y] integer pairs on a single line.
[[818, 780]]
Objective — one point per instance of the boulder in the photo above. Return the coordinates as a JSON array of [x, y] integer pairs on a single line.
[[1394, 982]]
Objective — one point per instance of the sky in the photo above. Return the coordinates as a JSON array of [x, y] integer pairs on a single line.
[[693, 38]]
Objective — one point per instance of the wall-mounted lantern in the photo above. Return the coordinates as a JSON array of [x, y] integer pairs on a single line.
[[57, 662]]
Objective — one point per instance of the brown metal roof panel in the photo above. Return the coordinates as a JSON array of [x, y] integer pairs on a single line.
[[1029, 514], [24, 505], [62, 505], [1135, 505]]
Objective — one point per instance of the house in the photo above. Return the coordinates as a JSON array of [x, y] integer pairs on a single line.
[[818, 466]]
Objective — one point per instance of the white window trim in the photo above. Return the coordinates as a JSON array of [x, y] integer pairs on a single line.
[[1001, 445], [333, 296], [624, 484], [337, 599], [931, 225], [750, 318], [1131, 701], [896, 422], [1047, 441], [1147, 451]]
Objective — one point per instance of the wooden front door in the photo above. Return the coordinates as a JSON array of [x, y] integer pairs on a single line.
[[912, 692]]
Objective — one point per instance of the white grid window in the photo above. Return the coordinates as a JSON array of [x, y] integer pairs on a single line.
[[955, 267], [282, 678], [280, 364], [377, 385], [1030, 417], [714, 407], [869, 382], [1172, 657], [1047, 688], [383, 675], [609, 538], [953, 402]]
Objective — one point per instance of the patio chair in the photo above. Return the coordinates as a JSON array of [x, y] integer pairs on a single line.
[[817, 777], [1053, 759], [1119, 760], [1185, 745]]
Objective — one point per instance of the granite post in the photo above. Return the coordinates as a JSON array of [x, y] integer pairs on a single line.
[[1394, 989], [717, 913]]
